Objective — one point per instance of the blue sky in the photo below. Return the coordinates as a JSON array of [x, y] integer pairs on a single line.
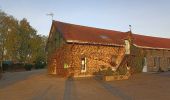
[[147, 17]]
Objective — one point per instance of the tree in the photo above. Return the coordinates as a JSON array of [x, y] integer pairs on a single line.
[[11, 40], [38, 48], [9, 37], [19, 41], [26, 35], [3, 18]]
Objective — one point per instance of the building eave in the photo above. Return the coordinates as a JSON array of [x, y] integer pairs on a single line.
[[154, 48], [93, 43]]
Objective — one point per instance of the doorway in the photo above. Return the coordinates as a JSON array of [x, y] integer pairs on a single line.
[[145, 69]]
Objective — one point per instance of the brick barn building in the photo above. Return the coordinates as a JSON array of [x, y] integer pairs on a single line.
[[82, 51]]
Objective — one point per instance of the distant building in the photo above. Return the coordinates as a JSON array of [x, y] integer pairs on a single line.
[[82, 51]]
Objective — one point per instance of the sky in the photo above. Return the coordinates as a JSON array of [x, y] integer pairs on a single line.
[[147, 17]]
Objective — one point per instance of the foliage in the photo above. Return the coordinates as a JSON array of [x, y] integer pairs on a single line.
[[28, 67], [19, 41], [109, 72], [138, 60], [106, 72], [122, 70], [6, 65], [40, 63]]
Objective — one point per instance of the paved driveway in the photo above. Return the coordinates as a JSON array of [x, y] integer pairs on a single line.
[[36, 85]]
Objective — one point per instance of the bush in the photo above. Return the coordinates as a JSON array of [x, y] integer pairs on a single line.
[[39, 65], [6, 65], [28, 67], [137, 61], [122, 70], [106, 72], [109, 72], [0, 73]]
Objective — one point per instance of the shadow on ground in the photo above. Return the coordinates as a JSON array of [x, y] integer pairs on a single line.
[[10, 78], [113, 90]]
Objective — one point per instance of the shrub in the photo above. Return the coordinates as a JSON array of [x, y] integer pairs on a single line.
[[39, 65], [122, 70], [106, 72], [28, 67], [5, 66], [109, 72], [0, 73], [138, 60]]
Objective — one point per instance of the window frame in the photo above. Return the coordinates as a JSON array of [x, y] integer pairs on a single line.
[[168, 62], [157, 61], [83, 64]]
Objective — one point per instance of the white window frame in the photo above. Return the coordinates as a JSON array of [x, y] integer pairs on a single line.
[[145, 69], [83, 64]]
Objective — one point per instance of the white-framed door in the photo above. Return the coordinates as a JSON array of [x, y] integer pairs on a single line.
[[145, 68]]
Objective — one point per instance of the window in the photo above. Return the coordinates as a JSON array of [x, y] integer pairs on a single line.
[[157, 61], [83, 64], [104, 37], [168, 62]]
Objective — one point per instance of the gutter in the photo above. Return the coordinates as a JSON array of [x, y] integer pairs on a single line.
[[94, 43], [145, 47]]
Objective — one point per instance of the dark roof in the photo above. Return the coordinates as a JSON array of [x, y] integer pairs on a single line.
[[83, 34]]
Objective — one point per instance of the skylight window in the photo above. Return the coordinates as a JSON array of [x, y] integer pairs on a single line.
[[104, 37]]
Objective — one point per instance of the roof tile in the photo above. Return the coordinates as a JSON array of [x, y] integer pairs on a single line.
[[84, 34]]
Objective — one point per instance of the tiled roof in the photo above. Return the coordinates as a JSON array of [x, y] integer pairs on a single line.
[[90, 35], [151, 42]]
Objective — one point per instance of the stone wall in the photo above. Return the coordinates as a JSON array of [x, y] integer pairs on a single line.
[[164, 55], [67, 59], [96, 57]]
